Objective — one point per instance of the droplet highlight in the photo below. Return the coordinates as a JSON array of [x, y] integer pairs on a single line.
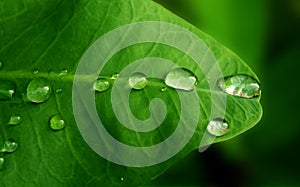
[[163, 89], [9, 146], [181, 79], [15, 120], [57, 122], [217, 127], [240, 85], [101, 85], [7, 90], [138, 81], [38, 90]]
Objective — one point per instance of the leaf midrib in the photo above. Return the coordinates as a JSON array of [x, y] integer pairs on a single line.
[[15, 75]]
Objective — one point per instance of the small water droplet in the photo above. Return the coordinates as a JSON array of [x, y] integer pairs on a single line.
[[163, 89], [59, 90], [1, 162], [217, 127], [138, 81], [7, 90], [181, 79], [63, 72], [0, 65], [115, 76], [101, 85], [38, 90], [241, 86], [122, 178], [14, 120], [35, 71], [9, 146], [57, 122]]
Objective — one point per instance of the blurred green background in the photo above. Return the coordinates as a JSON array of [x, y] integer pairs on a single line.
[[266, 34]]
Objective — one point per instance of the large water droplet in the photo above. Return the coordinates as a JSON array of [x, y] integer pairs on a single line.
[[217, 127], [138, 81], [1, 162], [9, 146], [181, 79], [101, 85], [7, 90], [14, 120], [38, 90], [57, 122], [240, 85]]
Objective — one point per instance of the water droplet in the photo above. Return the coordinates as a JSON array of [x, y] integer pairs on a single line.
[[181, 79], [163, 89], [122, 178], [38, 90], [0, 65], [9, 146], [138, 81], [35, 71], [57, 122], [7, 90], [1, 163], [217, 127], [63, 72], [240, 85], [115, 76], [101, 85], [59, 90], [14, 120]]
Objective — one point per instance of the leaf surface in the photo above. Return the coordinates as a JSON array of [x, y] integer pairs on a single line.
[[51, 37]]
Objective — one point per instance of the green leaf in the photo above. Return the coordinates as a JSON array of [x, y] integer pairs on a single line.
[[51, 38]]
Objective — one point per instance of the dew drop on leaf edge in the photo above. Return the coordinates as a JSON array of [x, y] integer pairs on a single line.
[[38, 90], [138, 81], [181, 79], [240, 85], [9, 146], [7, 90], [217, 127], [101, 85], [14, 120], [57, 122]]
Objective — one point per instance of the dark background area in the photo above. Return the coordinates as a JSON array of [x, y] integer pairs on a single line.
[[266, 34]]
